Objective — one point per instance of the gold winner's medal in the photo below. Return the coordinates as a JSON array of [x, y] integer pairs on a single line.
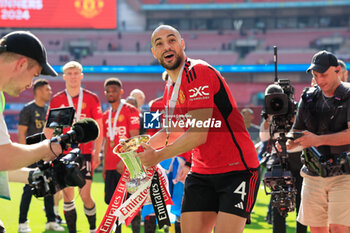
[[111, 143]]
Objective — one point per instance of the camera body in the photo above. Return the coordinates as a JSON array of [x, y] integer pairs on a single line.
[[65, 170], [326, 167], [56, 175], [281, 185], [279, 103]]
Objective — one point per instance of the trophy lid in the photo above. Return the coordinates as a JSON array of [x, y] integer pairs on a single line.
[[131, 144]]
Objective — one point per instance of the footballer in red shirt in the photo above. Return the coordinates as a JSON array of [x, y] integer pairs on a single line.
[[126, 126], [223, 183], [86, 105]]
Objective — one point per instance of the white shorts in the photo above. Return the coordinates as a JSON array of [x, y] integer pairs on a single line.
[[325, 201]]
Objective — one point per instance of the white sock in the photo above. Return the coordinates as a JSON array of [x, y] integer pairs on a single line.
[[55, 210]]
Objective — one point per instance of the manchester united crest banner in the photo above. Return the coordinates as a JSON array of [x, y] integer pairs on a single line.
[[97, 14]]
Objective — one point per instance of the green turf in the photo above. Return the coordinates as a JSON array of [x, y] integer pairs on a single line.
[[9, 211]]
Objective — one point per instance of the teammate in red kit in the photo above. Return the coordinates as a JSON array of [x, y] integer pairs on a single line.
[[121, 120], [223, 183], [127, 125], [86, 104]]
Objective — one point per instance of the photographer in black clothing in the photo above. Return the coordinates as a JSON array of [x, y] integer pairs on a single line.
[[324, 118]]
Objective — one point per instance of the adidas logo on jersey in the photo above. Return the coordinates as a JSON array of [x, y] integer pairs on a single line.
[[239, 205]]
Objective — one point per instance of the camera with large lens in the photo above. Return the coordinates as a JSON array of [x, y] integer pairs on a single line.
[[53, 176], [280, 104], [278, 179], [65, 170]]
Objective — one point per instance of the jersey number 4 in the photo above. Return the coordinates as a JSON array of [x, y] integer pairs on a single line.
[[241, 190]]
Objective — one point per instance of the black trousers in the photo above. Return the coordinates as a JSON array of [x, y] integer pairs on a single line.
[[25, 202], [279, 222]]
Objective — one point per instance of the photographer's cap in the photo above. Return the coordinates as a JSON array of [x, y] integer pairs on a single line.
[[321, 61], [26, 44]]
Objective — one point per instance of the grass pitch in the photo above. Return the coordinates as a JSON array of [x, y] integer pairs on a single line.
[[9, 211]]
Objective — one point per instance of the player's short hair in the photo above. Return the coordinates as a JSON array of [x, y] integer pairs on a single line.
[[137, 92], [39, 83], [249, 110], [113, 81], [132, 100], [72, 64]]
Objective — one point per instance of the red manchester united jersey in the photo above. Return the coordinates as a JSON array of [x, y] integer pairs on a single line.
[[90, 108], [158, 104], [228, 146], [128, 119]]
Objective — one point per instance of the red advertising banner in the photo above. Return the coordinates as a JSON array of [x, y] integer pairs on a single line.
[[98, 14]]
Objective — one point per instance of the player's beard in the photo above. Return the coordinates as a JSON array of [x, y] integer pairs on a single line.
[[174, 66], [111, 101]]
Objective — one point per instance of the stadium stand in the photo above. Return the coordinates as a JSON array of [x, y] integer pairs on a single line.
[[284, 57], [130, 48]]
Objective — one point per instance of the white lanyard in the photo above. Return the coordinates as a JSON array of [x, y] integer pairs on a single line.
[[110, 129], [170, 107], [80, 102]]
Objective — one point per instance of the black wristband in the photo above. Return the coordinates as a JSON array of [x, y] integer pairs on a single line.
[[188, 164]]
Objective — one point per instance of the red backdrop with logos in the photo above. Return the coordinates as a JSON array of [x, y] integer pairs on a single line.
[[98, 14]]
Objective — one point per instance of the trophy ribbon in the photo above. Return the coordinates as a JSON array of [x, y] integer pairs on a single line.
[[158, 202], [137, 180], [125, 212], [116, 201], [159, 196]]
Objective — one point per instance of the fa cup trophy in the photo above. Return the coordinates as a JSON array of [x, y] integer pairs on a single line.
[[126, 150]]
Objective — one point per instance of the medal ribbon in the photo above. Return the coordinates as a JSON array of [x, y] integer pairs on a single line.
[[80, 103], [171, 102], [110, 129]]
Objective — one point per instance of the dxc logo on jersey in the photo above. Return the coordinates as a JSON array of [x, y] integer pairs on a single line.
[[198, 91], [151, 120]]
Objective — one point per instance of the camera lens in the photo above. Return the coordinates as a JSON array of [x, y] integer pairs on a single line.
[[277, 104]]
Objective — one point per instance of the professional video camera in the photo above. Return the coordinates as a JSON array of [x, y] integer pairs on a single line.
[[280, 104], [65, 170], [278, 179]]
